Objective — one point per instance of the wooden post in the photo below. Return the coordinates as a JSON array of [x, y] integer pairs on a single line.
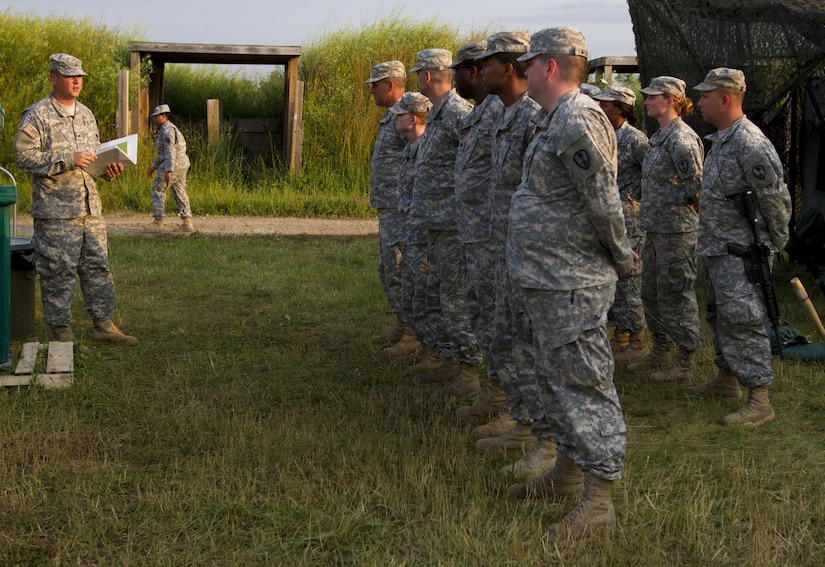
[[123, 103], [290, 111], [214, 117], [296, 153], [135, 110]]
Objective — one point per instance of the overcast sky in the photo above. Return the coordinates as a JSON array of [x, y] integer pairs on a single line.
[[605, 23]]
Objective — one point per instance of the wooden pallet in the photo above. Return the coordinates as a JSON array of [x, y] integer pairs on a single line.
[[59, 367]]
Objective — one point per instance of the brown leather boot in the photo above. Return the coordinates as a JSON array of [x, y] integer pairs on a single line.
[[392, 336], [502, 423], [636, 349], [564, 481], [430, 362], [465, 384], [756, 411], [186, 225], [62, 333], [518, 440], [593, 512], [619, 341], [446, 372], [538, 461], [682, 370], [659, 357], [406, 347], [725, 387], [487, 407], [105, 331]]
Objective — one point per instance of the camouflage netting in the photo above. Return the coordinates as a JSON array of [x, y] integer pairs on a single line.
[[777, 43]]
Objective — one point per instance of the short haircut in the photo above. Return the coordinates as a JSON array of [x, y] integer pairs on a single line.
[[519, 67]]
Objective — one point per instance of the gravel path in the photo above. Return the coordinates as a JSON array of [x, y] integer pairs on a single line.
[[134, 224]]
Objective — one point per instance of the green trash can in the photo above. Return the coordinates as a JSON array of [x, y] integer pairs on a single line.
[[21, 288], [8, 197]]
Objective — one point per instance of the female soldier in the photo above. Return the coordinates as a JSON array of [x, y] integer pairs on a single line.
[[171, 165], [671, 178]]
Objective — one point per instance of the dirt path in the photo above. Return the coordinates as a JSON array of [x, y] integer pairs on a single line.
[[133, 224]]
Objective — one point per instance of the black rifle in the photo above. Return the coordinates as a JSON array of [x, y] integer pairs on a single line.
[[757, 261]]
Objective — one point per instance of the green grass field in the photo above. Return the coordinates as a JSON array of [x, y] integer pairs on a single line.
[[255, 424]]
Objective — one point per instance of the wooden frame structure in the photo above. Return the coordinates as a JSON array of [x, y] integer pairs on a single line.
[[162, 53], [604, 67]]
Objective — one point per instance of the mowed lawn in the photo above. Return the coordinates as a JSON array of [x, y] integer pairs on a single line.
[[255, 424]]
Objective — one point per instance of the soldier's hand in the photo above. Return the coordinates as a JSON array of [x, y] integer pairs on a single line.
[[82, 159], [634, 267], [168, 177], [113, 170], [150, 171]]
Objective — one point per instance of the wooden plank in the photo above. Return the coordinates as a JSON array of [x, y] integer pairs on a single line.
[[28, 358], [21, 380], [61, 358], [55, 381]]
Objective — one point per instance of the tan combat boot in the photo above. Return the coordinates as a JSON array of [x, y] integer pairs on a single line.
[[659, 357], [62, 334], [487, 407], [539, 461], [392, 336], [682, 370], [619, 341], [105, 331], [564, 481], [186, 225], [407, 346], [518, 440], [465, 384], [756, 411], [446, 372], [502, 423], [429, 362], [725, 387], [636, 349], [593, 513], [156, 224]]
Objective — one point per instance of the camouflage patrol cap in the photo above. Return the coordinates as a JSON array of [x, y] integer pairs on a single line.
[[162, 109], [386, 70], [723, 78], [589, 90], [411, 102], [433, 60], [66, 65], [556, 41], [670, 86], [470, 53], [617, 94], [507, 42]]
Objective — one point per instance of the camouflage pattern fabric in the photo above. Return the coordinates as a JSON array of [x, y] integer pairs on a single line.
[[574, 371], [390, 232], [433, 200], [45, 146], [740, 159], [671, 179], [472, 170], [669, 288], [63, 248], [481, 295], [171, 146], [627, 313], [446, 300], [69, 231], [566, 242], [512, 353]]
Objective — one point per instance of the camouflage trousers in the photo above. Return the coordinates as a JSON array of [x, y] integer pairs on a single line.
[[512, 348], [481, 296], [414, 290], [574, 371], [178, 187], [627, 312], [67, 249], [736, 315], [446, 300], [390, 225], [669, 289]]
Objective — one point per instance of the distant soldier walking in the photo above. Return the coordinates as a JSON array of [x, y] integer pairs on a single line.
[[171, 165]]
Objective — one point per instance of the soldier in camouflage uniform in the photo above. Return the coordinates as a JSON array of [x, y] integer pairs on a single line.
[[171, 165], [434, 204], [628, 343], [741, 159], [671, 178], [472, 194], [512, 346], [56, 141], [566, 245], [388, 82], [410, 119]]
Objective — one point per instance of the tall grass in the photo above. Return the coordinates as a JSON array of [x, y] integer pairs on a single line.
[[254, 424]]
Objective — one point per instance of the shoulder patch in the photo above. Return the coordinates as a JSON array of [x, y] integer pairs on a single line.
[[29, 130], [582, 159], [758, 169]]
